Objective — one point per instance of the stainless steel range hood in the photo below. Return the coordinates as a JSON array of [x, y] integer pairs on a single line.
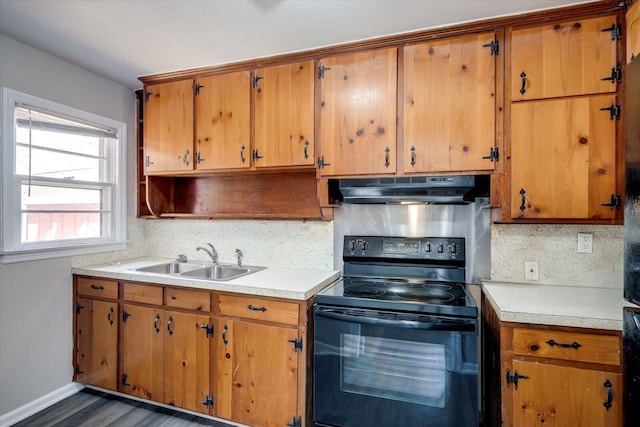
[[421, 189]]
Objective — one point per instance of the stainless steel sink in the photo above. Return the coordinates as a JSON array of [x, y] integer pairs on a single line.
[[221, 272], [171, 268]]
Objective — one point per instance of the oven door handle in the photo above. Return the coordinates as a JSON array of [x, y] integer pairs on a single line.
[[454, 326]]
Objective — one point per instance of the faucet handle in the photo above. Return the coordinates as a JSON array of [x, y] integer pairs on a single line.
[[181, 258], [240, 256]]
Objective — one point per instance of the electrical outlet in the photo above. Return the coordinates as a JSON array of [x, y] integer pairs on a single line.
[[585, 243], [531, 270]]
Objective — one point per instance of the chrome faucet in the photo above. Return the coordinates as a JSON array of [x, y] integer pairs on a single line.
[[240, 256], [212, 253], [181, 258]]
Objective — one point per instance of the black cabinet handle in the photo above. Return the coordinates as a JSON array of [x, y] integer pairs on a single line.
[[386, 157], [607, 384], [242, 154], [524, 200], [413, 155], [169, 325], [224, 335], [155, 323], [306, 147], [109, 318], [523, 76], [563, 345], [263, 309], [99, 288]]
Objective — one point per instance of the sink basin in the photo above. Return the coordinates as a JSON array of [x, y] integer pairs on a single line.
[[221, 272], [170, 268]]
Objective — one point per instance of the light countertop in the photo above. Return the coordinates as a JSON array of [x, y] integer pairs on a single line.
[[584, 307], [292, 283]]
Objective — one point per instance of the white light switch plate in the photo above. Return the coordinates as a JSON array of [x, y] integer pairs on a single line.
[[585, 243]]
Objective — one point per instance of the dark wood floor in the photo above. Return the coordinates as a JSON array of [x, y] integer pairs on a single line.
[[97, 409]]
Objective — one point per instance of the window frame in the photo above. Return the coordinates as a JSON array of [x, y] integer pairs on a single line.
[[11, 247]]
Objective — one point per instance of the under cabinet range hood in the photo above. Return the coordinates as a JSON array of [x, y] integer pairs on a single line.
[[419, 189]]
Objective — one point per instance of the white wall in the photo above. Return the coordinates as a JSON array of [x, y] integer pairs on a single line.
[[35, 297]]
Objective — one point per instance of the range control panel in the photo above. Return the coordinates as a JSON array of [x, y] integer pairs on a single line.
[[418, 248]]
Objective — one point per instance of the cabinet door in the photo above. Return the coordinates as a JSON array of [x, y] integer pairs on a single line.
[[358, 113], [284, 115], [168, 127], [186, 364], [565, 396], [563, 158], [143, 331], [449, 104], [223, 121], [633, 31], [258, 378], [564, 59], [97, 343]]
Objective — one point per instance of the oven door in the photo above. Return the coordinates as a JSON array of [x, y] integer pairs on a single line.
[[380, 368]]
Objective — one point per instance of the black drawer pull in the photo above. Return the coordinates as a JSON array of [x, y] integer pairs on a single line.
[[607, 384], [100, 288], [263, 309], [572, 345]]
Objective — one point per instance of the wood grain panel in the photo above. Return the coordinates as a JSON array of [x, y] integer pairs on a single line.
[[562, 396], [97, 343], [259, 309], [147, 294], [591, 348], [563, 59], [358, 113], [188, 299], [186, 364], [168, 126], [284, 115], [563, 157], [449, 104], [97, 287], [633, 31], [223, 121]]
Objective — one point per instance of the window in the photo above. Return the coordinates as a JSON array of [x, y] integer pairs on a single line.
[[63, 180]]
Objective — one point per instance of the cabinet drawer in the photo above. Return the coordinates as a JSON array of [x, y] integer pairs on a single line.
[[574, 346], [259, 309], [147, 294], [188, 299], [97, 287]]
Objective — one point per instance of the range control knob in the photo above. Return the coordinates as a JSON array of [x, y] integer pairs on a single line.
[[351, 245], [363, 245], [440, 248], [453, 248], [428, 247]]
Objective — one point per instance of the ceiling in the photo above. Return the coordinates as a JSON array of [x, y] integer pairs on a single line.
[[124, 39]]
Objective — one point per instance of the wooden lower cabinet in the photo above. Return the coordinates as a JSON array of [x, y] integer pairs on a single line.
[[258, 379], [96, 349], [238, 358], [537, 375]]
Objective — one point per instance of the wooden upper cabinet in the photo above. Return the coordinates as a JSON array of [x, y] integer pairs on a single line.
[[223, 121], [449, 104], [567, 59], [633, 31], [563, 162], [358, 113], [284, 115], [168, 127]]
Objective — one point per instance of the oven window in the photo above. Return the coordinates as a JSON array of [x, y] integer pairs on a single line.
[[402, 370]]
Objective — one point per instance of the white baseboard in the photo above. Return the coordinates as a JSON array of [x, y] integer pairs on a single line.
[[39, 404]]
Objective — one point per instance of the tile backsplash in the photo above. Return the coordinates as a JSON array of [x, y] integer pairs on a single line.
[[554, 247]]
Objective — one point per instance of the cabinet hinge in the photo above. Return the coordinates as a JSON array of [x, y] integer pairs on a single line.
[[255, 81], [196, 89], [198, 159], [124, 381], [147, 161], [616, 31], [208, 401], [77, 369], [125, 316], [147, 95], [296, 421], [614, 111], [615, 202], [321, 162], [255, 155], [208, 329], [297, 344], [616, 75], [79, 307], [513, 379], [493, 154], [494, 47], [321, 70]]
